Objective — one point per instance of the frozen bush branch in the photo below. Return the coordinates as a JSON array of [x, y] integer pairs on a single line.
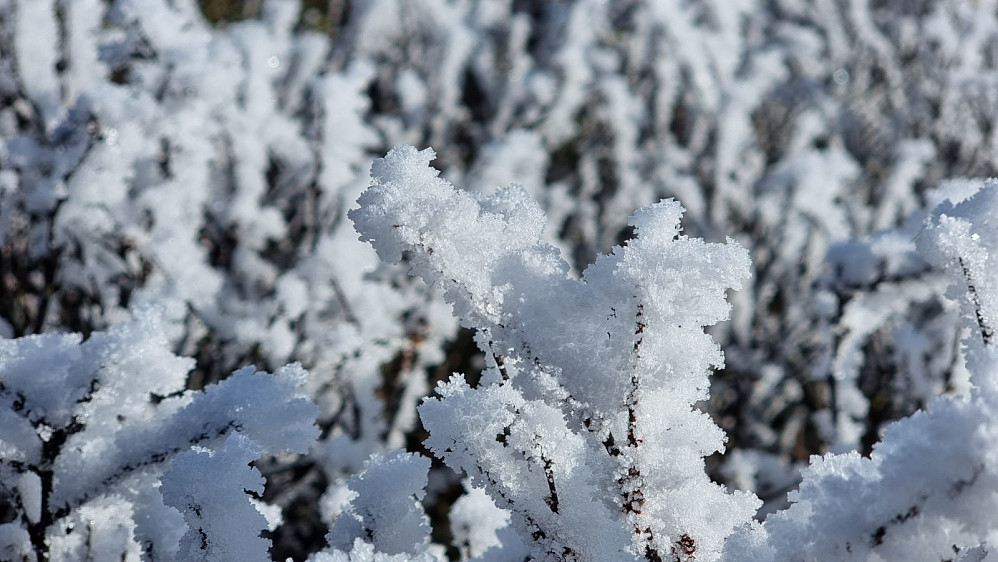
[[147, 157], [98, 424], [560, 427], [928, 488], [583, 425]]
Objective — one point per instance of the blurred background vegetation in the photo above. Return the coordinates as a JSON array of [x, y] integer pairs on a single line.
[[318, 15]]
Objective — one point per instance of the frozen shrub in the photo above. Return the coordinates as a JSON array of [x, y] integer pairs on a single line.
[[928, 488], [592, 443], [583, 425], [92, 428], [147, 157]]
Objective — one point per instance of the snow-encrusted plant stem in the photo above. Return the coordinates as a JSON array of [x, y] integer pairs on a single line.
[[583, 423]]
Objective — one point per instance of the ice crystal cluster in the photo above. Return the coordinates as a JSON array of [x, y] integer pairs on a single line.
[[689, 280], [582, 425], [105, 453]]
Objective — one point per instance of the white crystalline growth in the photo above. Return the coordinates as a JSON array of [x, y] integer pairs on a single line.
[[583, 424], [222, 524], [414, 209], [474, 521], [929, 490], [105, 456], [386, 510]]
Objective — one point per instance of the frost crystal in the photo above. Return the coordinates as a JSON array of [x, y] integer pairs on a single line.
[[109, 457], [152, 156], [386, 509], [928, 490], [583, 425]]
